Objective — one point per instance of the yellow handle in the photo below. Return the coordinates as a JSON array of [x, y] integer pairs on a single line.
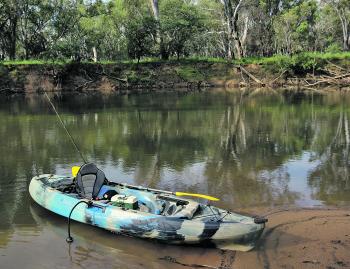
[[211, 198], [75, 170]]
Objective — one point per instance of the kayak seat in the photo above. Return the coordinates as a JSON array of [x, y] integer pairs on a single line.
[[89, 181]]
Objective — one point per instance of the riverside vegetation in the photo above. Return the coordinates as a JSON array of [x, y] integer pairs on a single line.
[[303, 71], [168, 43]]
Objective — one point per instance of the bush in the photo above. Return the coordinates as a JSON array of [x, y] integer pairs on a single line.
[[189, 73], [303, 63], [334, 48]]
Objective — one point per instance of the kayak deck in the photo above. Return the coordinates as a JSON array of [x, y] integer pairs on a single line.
[[159, 216]]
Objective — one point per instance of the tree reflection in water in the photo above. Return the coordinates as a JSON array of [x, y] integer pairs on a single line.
[[231, 145]]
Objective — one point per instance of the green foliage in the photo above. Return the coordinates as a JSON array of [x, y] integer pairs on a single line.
[[295, 28], [298, 64], [189, 73], [334, 48], [140, 33], [303, 63], [115, 30], [179, 22]]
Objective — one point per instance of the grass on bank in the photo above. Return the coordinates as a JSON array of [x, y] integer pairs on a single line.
[[306, 55], [144, 60], [34, 62], [302, 62]]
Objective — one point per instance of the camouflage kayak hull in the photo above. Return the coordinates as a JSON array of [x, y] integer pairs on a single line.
[[223, 229]]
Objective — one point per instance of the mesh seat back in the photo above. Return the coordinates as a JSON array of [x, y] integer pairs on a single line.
[[89, 181]]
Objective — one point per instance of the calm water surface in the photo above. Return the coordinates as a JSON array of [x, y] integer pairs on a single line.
[[251, 149]]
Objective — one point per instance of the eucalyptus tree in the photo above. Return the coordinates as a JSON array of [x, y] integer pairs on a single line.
[[342, 8], [159, 35], [231, 11], [140, 29], [10, 15], [180, 22], [294, 28], [33, 31], [98, 28], [56, 23]]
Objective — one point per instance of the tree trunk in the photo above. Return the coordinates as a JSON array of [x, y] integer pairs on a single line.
[[155, 8], [159, 37], [13, 37], [235, 32], [244, 36], [346, 35], [231, 15], [228, 15], [345, 26], [94, 51]]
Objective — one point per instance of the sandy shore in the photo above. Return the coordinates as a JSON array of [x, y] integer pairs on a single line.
[[303, 238]]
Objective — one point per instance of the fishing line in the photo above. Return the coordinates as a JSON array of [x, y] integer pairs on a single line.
[[69, 239], [64, 127]]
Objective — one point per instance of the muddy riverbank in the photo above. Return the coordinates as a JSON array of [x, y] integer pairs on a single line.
[[300, 238], [167, 76]]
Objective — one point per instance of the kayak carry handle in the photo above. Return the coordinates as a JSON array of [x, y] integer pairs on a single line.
[[260, 220]]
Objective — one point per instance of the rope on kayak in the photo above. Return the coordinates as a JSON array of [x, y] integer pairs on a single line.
[[227, 213], [64, 127], [69, 239], [276, 212], [215, 215]]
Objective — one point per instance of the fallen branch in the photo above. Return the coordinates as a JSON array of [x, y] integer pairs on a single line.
[[83, 85], [280, 75], [251, 76], [328, 81], [334, 73], [124, 80], [103, 73], [341, 68]]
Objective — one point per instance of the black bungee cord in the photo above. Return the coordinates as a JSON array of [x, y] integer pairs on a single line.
[[89, 203]]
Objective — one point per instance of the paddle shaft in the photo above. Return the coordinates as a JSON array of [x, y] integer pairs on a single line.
[[142, 188], [167, 192]]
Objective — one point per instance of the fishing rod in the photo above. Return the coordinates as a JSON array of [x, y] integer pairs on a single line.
[[69, 239], [65, 128]]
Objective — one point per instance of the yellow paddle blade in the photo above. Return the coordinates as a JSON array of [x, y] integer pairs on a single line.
[[75, 170], [211, 198]]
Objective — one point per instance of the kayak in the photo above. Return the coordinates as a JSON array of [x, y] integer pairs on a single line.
[[145, 213]]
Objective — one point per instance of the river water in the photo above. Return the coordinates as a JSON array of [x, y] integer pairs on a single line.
[[254, 150]]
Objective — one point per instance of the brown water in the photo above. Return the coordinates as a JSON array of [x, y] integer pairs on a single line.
[[253, 150]]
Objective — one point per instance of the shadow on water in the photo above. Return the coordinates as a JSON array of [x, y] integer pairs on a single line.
[[92, 244]]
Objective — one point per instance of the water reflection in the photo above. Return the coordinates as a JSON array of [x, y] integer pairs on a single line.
[[248, 148], [330, 181]]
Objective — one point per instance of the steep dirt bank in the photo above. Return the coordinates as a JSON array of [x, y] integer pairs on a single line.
[[129, 78]]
